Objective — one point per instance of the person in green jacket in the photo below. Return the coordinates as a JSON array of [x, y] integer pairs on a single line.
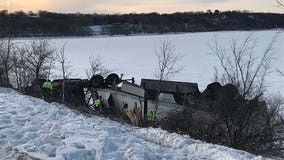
[[152, 115], [47, 88], [98, 103], [125, 108], [47, 85]]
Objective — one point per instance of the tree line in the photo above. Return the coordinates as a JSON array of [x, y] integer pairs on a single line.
[[44, 23]]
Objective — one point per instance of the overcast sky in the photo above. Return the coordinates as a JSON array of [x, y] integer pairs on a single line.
[[138, 6]]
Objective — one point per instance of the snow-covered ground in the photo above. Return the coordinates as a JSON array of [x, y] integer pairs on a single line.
[[32, 127]]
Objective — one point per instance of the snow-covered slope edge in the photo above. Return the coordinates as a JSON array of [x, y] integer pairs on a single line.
[[51, 131]]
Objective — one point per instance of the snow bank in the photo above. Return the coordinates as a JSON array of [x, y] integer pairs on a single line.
[[30, 127]]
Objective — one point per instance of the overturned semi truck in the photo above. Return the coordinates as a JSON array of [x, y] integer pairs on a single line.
[[166, 96]]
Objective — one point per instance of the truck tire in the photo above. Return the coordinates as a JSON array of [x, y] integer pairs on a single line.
[[97, 81], [112, 79]]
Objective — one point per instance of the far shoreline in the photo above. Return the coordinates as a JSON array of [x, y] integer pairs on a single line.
[[135, 35]]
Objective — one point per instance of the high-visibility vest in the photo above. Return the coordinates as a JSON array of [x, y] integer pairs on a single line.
[[47, 85], [152, 115], [125, 110], [97, 102]]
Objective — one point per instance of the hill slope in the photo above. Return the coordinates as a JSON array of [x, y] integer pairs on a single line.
[[31, 127]]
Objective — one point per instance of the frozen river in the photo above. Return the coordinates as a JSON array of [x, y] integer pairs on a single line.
[[134, 56]]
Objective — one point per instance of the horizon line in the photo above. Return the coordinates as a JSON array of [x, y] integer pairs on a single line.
[[120, 13]]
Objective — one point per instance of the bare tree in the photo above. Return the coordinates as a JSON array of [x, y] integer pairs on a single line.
[[6, 47], [243, 67], [167, 60], [65, 68], [21, 76], [2, 72], [248, 120], [39, 55], [96, 67]]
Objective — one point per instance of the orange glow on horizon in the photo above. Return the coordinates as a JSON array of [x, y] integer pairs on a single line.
[[137, 6]]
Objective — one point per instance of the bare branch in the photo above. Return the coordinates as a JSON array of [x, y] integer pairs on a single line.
[[65, 68], [65, 65], [167, 60], [6, 49], [96, 67], [242, 68], [39, 54]]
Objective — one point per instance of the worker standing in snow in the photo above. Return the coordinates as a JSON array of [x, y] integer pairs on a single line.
[[47, 88], [125, 111], [98, 103], [125, 108], [152, 115]]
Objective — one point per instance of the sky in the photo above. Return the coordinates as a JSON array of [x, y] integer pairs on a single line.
[[139, 6]]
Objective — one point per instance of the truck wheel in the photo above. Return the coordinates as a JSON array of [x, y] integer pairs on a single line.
[[112, 79], [97, 81]]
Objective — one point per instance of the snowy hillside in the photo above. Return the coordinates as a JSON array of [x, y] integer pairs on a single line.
[[32, 127]]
